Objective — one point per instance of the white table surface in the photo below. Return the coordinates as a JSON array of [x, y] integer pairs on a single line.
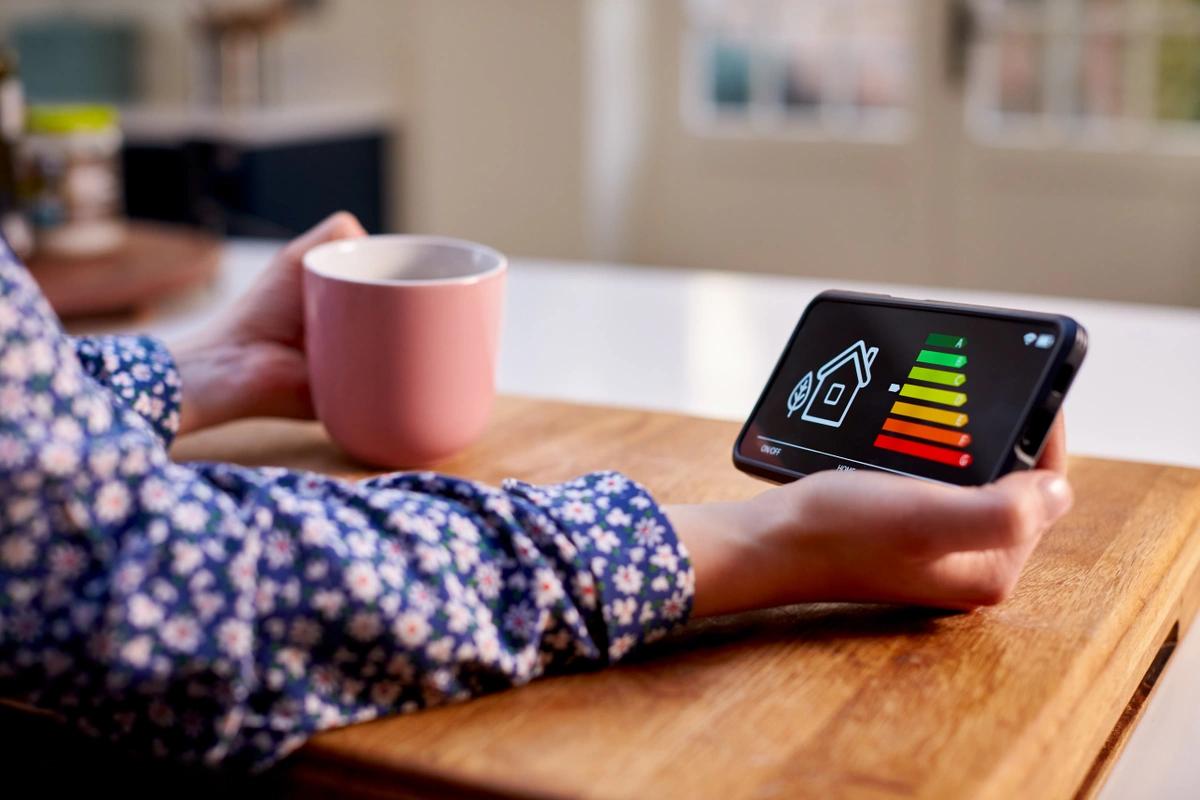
[[703, 342], [173, 125]]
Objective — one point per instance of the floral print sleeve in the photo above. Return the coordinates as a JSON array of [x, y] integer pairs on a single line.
[[220, 614], [140, 373]]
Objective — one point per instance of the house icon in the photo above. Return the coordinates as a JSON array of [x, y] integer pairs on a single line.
[[838, 383]]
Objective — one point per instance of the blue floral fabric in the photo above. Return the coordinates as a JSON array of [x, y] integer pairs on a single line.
[[219, 614]]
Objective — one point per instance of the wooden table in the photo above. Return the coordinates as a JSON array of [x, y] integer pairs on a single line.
[[1033, 698], [154, 263]]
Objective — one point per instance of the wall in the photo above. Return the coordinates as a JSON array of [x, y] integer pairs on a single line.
[[497, 130], [939, 209], [347, 48], [788, 203], [163, 78], [489, 96], [553, 128], [346, 52]]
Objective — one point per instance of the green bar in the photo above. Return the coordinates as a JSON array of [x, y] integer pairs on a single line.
[[937, 376], [933, 395], [942, 359], [946, 340]]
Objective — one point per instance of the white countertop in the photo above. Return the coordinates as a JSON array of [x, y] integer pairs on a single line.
[[704, 342], [272, 125]]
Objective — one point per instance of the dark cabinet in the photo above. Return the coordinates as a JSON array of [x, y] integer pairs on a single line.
[[261, 188]]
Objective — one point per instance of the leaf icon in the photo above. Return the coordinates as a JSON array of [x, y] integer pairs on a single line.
[[799, 395]]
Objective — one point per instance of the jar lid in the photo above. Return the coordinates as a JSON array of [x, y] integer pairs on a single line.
[[64, 119]]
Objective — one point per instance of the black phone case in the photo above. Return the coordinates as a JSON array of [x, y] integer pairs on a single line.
[[1036, 418]]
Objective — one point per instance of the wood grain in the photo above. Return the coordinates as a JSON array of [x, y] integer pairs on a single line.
[[1021, 700]]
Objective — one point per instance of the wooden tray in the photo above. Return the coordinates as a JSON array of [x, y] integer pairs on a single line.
[[154, 263], [1030, 699]]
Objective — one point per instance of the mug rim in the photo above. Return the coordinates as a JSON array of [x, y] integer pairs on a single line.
[[414, 239]]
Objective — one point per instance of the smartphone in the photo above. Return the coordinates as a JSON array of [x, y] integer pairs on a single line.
[[951, 393]]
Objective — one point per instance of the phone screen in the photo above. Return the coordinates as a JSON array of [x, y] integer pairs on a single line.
[[925, 393]]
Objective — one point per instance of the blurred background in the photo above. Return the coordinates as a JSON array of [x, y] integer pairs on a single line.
[[153, 154], [1048, 146]]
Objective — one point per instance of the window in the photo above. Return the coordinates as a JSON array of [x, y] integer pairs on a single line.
[[1080, 72], [838, 68]]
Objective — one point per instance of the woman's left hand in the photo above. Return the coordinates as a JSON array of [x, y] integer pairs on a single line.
[[872, 537], [251, 361]]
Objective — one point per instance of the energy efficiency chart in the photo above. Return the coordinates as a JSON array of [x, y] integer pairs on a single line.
[[933, 395]]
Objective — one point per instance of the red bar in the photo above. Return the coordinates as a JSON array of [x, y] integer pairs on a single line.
[[942, 455], [918, 431]]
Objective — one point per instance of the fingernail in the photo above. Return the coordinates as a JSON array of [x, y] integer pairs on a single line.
[[1056, 495]]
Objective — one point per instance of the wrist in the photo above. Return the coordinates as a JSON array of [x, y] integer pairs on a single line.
[[209, 376], [751, 554], [719, 552], [226, 378], [732, 554], [798, 564]]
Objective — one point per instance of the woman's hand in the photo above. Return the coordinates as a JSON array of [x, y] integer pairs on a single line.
[[873, 537], [251, 362]]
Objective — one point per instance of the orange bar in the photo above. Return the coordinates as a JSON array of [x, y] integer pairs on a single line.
[[953, 418], [952, 438]]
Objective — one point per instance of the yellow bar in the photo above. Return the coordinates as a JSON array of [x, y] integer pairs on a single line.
[[933, 395], [954, 418], [941, 376]]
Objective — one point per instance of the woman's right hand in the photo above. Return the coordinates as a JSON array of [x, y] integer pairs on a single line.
[[873, 537]]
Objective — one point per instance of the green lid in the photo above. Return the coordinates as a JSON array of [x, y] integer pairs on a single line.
[[64, 119]]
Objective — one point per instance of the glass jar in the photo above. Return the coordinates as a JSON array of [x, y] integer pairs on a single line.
[[71, 179]]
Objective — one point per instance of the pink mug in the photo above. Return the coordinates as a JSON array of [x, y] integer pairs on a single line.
[[402, 334]]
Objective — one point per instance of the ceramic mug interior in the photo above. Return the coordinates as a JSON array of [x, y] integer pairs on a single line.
[[400, 260]]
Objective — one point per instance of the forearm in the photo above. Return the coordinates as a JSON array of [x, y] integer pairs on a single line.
[[210, 377], [748, 555], [222, 613]]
